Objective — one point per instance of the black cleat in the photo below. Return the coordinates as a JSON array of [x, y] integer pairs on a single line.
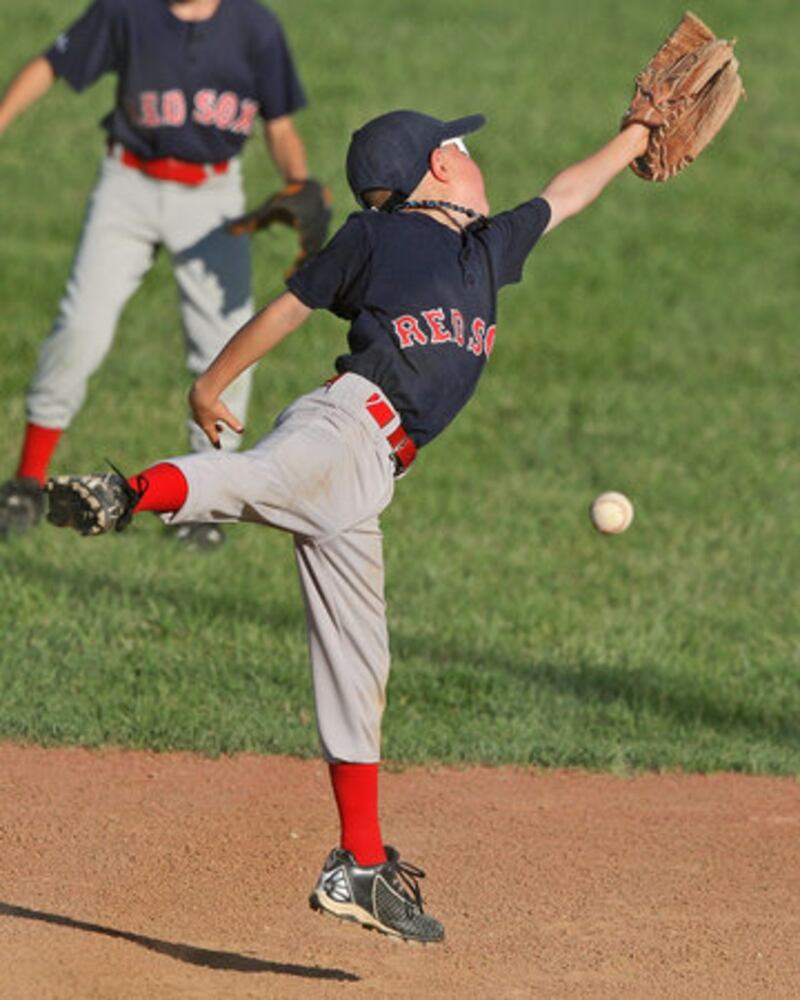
[[92, 505], [22, 504], [199, 535], [384, 897]]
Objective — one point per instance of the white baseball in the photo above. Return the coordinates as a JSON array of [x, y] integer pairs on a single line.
[[611, 513]]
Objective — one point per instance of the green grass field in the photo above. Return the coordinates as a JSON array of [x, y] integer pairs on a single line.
[[652, 348]]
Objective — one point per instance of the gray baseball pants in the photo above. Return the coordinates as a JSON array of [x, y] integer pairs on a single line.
[[324, 473], [128, 216]]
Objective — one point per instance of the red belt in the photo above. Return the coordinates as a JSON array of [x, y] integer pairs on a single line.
[[404, 451], [166, 168]]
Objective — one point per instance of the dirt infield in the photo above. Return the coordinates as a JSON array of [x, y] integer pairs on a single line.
[[135, 875]]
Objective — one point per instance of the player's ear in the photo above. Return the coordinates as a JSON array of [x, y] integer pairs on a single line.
[[437, 164]]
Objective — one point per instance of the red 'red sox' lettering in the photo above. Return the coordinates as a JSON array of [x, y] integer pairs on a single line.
[[458, 326], [247, 115], [410, 331], [476, 339], [435, 320], [148, 109], [225, 111], [173, 108], [204, 103]]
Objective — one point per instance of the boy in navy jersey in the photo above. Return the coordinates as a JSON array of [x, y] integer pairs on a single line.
[[416, 276], [194, 78]]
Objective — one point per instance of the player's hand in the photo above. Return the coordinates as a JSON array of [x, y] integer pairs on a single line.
[[642, 133], [210, 413]]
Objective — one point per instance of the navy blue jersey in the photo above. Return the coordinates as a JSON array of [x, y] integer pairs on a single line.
[[190, 90], [421, 300]]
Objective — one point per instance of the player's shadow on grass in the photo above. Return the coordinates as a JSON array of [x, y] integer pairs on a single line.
[[641, 689], [229, 961]]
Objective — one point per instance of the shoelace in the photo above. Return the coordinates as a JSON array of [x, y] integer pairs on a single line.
[[406, 877], [134, 495]]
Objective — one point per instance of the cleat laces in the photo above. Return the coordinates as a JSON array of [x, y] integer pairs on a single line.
[[133, 495], [405, 878]]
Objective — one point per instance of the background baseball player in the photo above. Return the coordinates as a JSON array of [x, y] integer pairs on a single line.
[[417, 281], [194, 79]]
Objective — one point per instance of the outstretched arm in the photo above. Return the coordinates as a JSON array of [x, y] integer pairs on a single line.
[[32, 82], [570, 191], [255, 339]]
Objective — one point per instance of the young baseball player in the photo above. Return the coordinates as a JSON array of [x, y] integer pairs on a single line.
[[416, 275], [194, 77]]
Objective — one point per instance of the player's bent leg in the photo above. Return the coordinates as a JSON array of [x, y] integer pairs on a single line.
[[384, 897]]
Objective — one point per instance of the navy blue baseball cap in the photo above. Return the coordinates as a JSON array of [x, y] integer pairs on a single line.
[[392, 151]]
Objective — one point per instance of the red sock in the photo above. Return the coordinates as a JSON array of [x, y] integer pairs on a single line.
[[163, 487], [37, 450], [355, 787]]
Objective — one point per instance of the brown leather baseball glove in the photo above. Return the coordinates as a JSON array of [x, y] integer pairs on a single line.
[[684, 96], [303, 205]]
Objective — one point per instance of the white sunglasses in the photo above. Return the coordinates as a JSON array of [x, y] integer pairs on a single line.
[[458, 142]]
